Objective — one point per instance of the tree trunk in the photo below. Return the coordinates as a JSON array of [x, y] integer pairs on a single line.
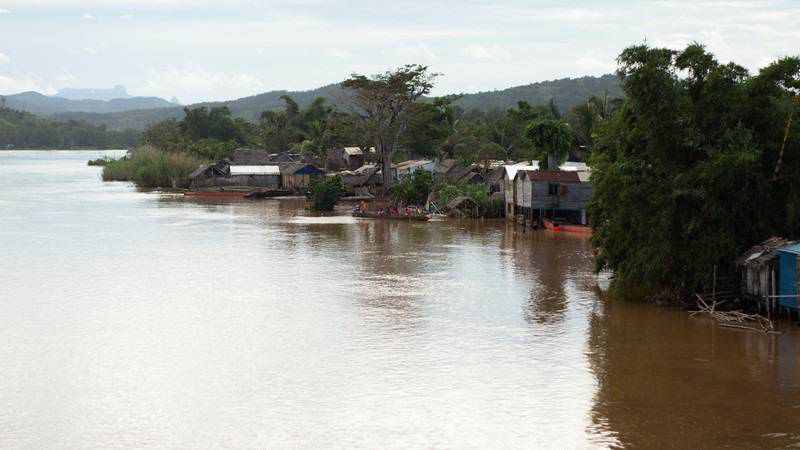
[[386, 168]]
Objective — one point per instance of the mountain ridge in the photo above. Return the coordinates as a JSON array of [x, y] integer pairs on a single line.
[[565, 92]]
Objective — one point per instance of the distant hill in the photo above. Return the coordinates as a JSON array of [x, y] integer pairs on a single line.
[[566, 93], [116, 92], [45, 105], [19, 129]]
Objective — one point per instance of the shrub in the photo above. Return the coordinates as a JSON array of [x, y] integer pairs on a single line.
[[414, 189], [149, 168], [325, 192], [99, 161]]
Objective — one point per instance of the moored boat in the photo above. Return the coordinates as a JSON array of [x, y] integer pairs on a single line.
[[556, 225]]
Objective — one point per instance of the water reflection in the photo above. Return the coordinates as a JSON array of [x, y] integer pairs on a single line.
[[669, 381]]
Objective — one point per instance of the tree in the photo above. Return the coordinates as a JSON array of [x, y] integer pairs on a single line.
[[552, 140], [683, 173], [383, 102]]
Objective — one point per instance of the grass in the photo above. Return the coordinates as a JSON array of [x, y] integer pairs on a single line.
[[99, 161], [150, 168]]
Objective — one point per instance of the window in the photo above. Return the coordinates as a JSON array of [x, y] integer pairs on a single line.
[[552, 188]]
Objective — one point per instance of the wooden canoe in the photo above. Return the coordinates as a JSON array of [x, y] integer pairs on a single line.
[[554, 225]]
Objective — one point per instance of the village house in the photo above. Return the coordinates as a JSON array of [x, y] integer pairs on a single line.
[[540, 194], [346, 158], [406, 168], [364, 181], [255, 176], [296, 177], [769, 273], [509, 175]]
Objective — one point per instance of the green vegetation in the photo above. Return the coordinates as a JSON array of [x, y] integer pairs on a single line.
[[414, 189], [100, 161], [325, 192], [384, 103], [24, 130], [700, 162], [479, 193], [151, 168]]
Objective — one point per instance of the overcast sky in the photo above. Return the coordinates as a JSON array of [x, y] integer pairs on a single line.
[[213, 49]]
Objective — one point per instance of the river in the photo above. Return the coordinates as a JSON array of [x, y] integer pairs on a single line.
[[145, 320]]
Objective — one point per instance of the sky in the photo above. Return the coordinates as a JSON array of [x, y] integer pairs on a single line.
[[197, 50]]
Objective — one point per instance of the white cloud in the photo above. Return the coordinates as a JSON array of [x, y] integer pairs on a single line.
[[126, 17], [4, 11], [88, 16], [487, 52], [196, 84], [339, 53], [14, 84], [4, 59]]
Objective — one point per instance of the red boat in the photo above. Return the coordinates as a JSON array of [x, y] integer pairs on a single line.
[[557, 225]]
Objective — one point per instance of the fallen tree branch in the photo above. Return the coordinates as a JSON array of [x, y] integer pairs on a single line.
[[733, 319]]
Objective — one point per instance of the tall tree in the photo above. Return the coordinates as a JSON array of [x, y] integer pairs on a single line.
[[683, 174], [551, 139], [383, 102]]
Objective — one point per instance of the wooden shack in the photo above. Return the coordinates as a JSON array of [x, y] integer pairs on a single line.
[[297, 177], [768, 272]]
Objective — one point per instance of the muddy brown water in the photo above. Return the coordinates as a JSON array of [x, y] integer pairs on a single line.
[[143, 320]]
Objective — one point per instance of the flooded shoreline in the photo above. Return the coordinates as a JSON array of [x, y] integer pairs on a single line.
[[146, 320]]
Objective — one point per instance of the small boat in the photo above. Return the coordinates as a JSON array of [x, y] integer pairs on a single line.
[[557, 225], [375, 215]]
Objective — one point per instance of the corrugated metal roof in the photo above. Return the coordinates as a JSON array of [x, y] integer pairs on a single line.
[[794, 248], [574, 167], [765, 251], [411, 163], [255, 170], [511, 170], [352, 151]]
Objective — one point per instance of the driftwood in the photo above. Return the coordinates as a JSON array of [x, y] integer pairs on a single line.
[[734, 319]]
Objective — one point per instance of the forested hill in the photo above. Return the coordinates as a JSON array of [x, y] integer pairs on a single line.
[[565, 92], [19, 129], [45, 105]]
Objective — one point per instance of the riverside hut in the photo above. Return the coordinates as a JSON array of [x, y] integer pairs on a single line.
[[769, 273], [509, 174], [297, 177], [255, 176]]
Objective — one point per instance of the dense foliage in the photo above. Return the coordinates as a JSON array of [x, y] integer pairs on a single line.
[[325, 192], [24, 130], [698, 164]]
